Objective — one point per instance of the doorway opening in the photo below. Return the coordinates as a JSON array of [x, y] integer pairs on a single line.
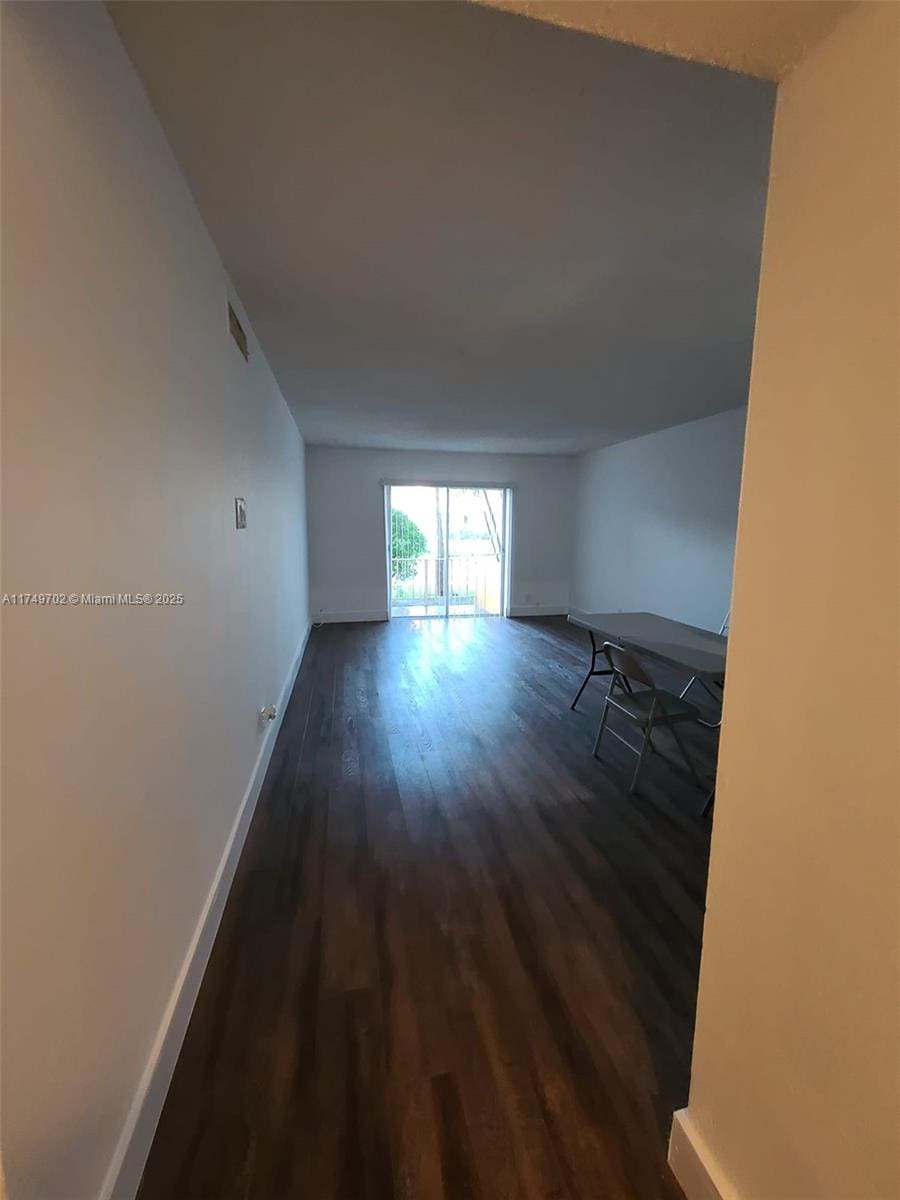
[[447, 550]]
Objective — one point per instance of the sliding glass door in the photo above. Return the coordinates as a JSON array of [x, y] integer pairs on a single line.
[[447, 550], [475, 551], [418, 537]]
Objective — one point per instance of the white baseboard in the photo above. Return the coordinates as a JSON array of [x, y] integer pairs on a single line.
[[693, 1163], [127, 1164], [381, 614], [335, 618], [537, 610]]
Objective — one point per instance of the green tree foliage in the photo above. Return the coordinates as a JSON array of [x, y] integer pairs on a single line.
[[408, 543]]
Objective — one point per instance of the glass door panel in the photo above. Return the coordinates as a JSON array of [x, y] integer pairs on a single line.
[[418, 564], [475, 521]]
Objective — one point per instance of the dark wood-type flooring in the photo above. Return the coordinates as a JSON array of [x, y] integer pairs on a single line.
[[457, 962]]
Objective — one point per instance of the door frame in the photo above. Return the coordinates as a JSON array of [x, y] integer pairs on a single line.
[[506, 549]]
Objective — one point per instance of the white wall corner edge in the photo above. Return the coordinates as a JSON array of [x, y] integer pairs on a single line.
[[693, 1163], [126, 1166]]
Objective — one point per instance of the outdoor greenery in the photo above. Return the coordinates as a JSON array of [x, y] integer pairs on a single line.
[[408, 543]]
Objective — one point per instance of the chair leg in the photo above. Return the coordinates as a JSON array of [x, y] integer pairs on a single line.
[[710, 724], [600, 727], [685, 756], [640, 761], [687, 687], [710, 801], [709, 692], [581, 689]]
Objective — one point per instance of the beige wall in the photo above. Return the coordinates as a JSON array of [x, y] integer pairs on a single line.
[[795, 1077], [130, 422]]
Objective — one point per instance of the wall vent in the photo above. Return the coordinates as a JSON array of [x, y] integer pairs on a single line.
[[237, 332]]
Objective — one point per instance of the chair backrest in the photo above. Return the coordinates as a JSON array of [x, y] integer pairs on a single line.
[[624, 663]]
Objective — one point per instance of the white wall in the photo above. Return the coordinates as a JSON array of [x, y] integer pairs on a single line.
[[347, 550], [130, 422], [795, 1093], [655, 522]]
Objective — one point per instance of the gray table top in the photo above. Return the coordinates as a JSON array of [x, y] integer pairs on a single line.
[[698, 651]]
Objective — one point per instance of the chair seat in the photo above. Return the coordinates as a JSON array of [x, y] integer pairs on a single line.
[[669, 708]]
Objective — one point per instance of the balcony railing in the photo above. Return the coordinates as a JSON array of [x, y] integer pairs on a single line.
[[472, 581]]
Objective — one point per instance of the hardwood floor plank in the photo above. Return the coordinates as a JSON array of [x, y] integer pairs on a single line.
[[457, 1166], [457, 959]]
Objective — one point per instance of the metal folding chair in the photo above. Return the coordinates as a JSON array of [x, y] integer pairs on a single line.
[[649, 707], [719, 683]]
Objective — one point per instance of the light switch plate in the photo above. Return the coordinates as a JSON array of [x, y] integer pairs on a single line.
[[240, 512]]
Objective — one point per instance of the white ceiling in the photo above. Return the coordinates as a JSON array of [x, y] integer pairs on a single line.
[[454, 228], [760, 37]]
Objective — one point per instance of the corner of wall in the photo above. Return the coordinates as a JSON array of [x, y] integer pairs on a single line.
[[693, 1164]]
